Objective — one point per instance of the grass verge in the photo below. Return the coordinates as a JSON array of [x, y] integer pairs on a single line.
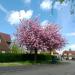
[[15, 64]]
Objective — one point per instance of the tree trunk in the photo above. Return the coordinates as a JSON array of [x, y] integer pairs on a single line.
[[30, 51], [35, 56], [51, 51]]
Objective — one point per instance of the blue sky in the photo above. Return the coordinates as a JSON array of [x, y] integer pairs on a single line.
[[13, 10]]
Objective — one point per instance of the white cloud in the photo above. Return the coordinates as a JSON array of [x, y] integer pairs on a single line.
[[46, 4], [27, 1], [71, 34], [59, 5], [2, 8], [15, 16], [72, 46], [44, 22]]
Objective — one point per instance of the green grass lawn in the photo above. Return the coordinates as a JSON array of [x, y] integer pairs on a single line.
[[25, 63], [15, 64]]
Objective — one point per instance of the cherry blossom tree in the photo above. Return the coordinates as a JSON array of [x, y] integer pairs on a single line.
[[53, 39], [35, 37]]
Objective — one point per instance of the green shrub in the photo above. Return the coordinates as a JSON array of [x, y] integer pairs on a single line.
[[11, 57]]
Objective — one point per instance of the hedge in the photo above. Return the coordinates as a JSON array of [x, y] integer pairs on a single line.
[[9, 57]]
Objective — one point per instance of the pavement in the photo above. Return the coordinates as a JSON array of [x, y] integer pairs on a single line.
[[67, 68]]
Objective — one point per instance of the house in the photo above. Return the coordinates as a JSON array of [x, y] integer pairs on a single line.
[[69, 54], [5, 41], [54, 52]]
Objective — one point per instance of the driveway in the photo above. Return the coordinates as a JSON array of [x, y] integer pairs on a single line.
[[58, 69]]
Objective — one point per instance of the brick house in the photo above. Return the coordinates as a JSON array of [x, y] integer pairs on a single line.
[[69, 54], [5, 41]]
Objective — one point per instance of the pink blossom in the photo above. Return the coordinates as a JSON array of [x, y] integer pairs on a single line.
[[33, 36]]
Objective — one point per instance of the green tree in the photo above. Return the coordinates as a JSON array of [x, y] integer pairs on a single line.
[[16, 49], [61, 1]]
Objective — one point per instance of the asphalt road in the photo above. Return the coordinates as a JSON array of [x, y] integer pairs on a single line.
[[59, 69]]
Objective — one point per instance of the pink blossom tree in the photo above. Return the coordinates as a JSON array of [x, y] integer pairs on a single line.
[[53, 39], [32, 35]]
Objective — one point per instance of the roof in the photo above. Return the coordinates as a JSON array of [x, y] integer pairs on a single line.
[[4, 44], [67, 52], [5, 36]]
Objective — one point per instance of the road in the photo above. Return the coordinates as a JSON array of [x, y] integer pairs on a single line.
[[54, 69]]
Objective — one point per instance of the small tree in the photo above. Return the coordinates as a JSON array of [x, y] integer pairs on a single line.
[[16, 49], [32, 35]]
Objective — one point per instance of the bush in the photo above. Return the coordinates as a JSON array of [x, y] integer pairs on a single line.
[[11, 57], [54, 60], [8, 57]]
